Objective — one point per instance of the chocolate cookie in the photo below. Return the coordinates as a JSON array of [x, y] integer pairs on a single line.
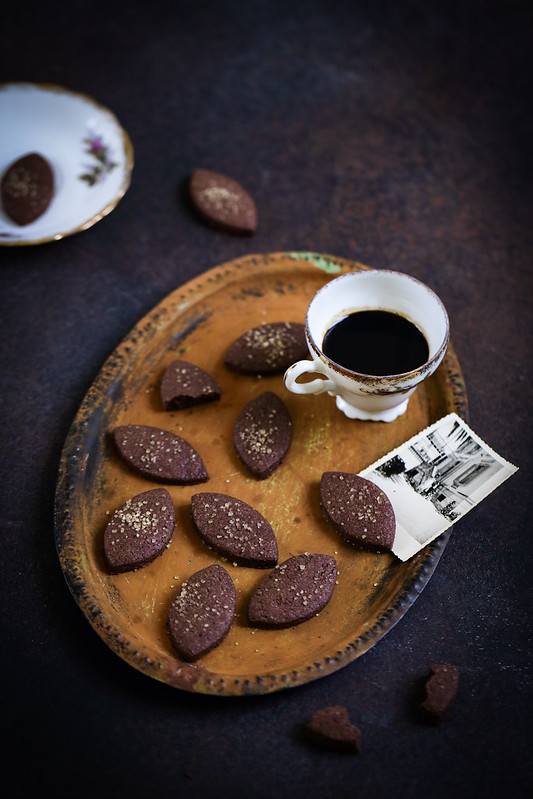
[[223, 202], [27, 188], [139, 531], [332, 728], [262, 434], [358, 510], [440, 689], [201, 614], [159, 454], [235, 529], [184, 384], [267, 349], [297, 589]]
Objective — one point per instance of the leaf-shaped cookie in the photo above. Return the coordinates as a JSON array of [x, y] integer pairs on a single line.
[[262, 434], [358, 510], [201, 614], [184, 384], [267, 349], [297, 589], [223, 202], [159, 454], [235, 529], [139, 531], [27, 188]]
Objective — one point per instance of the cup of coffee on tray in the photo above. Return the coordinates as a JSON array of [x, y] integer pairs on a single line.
[[373, 335]]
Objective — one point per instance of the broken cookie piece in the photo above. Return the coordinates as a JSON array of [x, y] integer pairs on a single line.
[[139, 531], [262, 434], [235, 529], [358, 510], [332, 729], [440, 689], [184, 384], [223, 202], [293, 592], [159, 454], [202, 612], [267, 349]]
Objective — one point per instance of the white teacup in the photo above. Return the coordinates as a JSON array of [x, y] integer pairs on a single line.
[[365, 396]]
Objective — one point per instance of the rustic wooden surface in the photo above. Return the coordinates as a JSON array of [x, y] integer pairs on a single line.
[[396, 135]]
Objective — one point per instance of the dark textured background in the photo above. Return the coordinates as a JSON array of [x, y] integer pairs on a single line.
[[394, 133]]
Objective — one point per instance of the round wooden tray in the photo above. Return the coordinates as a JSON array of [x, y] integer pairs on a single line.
[[198, 322]]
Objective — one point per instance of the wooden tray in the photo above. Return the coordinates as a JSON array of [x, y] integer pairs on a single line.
[[198, 322]]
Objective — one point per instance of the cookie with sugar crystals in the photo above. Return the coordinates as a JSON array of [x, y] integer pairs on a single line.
[[184, 384], [331, 728], [235, 529], [27, 188], [440, 691], [294, 591], [201, 613], [159, 454], [267, 349], [222, 202], [358, 510], [262, 434], [139, 531]]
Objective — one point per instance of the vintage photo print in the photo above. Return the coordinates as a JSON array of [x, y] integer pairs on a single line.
[[435, 478]]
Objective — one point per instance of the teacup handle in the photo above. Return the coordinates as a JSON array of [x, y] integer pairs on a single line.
[[313, 387]]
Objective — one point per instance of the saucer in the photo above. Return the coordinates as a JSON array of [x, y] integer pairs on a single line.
[[91, 156]]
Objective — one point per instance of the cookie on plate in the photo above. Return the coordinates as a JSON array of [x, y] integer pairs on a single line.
[[440, 692], [294, 591], [262, 434], [159, 454], [27, 188], [331, 728], [223, 202], [235, 529], [201, 614], [139, 531], [267, 349], [358, 510], [184, 384]]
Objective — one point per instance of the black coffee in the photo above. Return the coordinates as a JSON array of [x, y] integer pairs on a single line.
[[376, 343]]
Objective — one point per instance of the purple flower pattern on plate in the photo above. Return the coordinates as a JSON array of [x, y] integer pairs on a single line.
[[99, 151]]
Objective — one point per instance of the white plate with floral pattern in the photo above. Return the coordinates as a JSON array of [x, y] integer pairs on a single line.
[[91, 157]]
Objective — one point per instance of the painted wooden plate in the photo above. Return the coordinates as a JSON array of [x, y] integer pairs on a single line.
[[91, 157], [198, 322]]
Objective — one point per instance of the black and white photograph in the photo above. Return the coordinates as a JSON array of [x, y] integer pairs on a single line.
[[435, 478]]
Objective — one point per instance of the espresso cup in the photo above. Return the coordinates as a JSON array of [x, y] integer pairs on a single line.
[[373, 397]]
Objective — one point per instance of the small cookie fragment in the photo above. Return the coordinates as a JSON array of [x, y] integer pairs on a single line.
[[184, 384], [223, 202], [293, 592], [159, 454], [267, 349], [235, 529], [440, 689], [358, 510], [27, 188], [139, 531], [331, 728], [201, 614], [262, 434]]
